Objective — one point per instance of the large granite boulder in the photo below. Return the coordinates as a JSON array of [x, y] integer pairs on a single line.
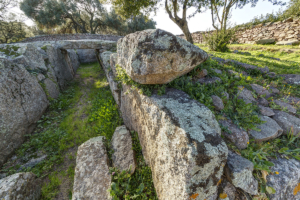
[[285, 179], [123, 155], [20, 186], [92, 177], [155, 56], [22, 103], [181, 142]]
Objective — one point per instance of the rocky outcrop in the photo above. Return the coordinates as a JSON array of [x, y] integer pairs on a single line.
[[180, 139], [156, 57], [285, 179], [22, 103], [123, 155], [92, 177], [239, 172], [20, 186]]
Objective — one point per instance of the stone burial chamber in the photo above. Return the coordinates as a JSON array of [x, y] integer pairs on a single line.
[[31, 75]]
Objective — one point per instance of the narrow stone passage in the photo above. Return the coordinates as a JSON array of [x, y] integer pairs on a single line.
[[86, 109]]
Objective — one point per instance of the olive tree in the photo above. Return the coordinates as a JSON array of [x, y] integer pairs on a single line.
[[172, 7]]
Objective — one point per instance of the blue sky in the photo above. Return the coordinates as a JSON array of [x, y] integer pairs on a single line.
[[202, 22]]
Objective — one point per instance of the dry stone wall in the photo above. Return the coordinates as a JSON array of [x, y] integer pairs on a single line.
[[278, 32], [83, 36]]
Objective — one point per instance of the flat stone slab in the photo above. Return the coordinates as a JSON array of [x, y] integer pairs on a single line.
[[245, 94], [286, 180], [292, 100], [92, 178], [208, 80], [239, 172], [260, 90], [217, 102], [292, 78], [287, 106], [268, 130], [123, 156], [180, 139], [287, 122], [266, 111], [291, 42], [20, 186], [265, 41], [236, 135], [155, 56]]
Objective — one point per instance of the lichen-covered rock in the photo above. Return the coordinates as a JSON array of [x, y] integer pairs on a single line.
[[292, 78], [268, 130], [266, 111], [20, 186], [35, 59], [235, 134], [245, 94], [292, 100], [262, 101], [51, 88], [156, 56], [209, 80], [228, 189], [286, 181], [109, 59], [92, 178], [123, 156], [261, 90], [289, 123], [239, 172], [217, 102], [181, 142], [287, 106], [22, 103], [74, 59]]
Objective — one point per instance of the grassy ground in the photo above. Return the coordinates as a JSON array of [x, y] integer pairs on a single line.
[[288, 64]]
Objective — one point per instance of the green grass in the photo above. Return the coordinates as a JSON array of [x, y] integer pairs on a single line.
[[280, 67]]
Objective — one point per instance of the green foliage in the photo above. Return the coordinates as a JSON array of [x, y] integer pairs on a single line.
[[219, 40], [10, 50], [50, 190], [11, 31], [139, 185]]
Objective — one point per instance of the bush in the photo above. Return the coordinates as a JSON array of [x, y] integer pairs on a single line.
[[218, 40]]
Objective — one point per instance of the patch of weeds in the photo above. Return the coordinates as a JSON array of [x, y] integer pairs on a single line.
[[260, 154], [10, 50], [139, 185], [50, 190]]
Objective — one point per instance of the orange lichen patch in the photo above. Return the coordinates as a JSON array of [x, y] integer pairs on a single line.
[[223, 196], [219, 182], [297, 189], [194, 196]]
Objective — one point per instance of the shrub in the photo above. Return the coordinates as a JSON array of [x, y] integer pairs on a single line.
[[218, 40]]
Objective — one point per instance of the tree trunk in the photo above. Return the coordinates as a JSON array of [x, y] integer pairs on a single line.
[[186, 32]]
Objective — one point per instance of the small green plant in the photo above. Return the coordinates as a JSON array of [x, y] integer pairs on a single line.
[[139, 185], [50, 190], [219, 40]]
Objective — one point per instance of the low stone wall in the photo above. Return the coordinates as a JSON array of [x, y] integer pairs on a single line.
[[60, 37], [288, 30]]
